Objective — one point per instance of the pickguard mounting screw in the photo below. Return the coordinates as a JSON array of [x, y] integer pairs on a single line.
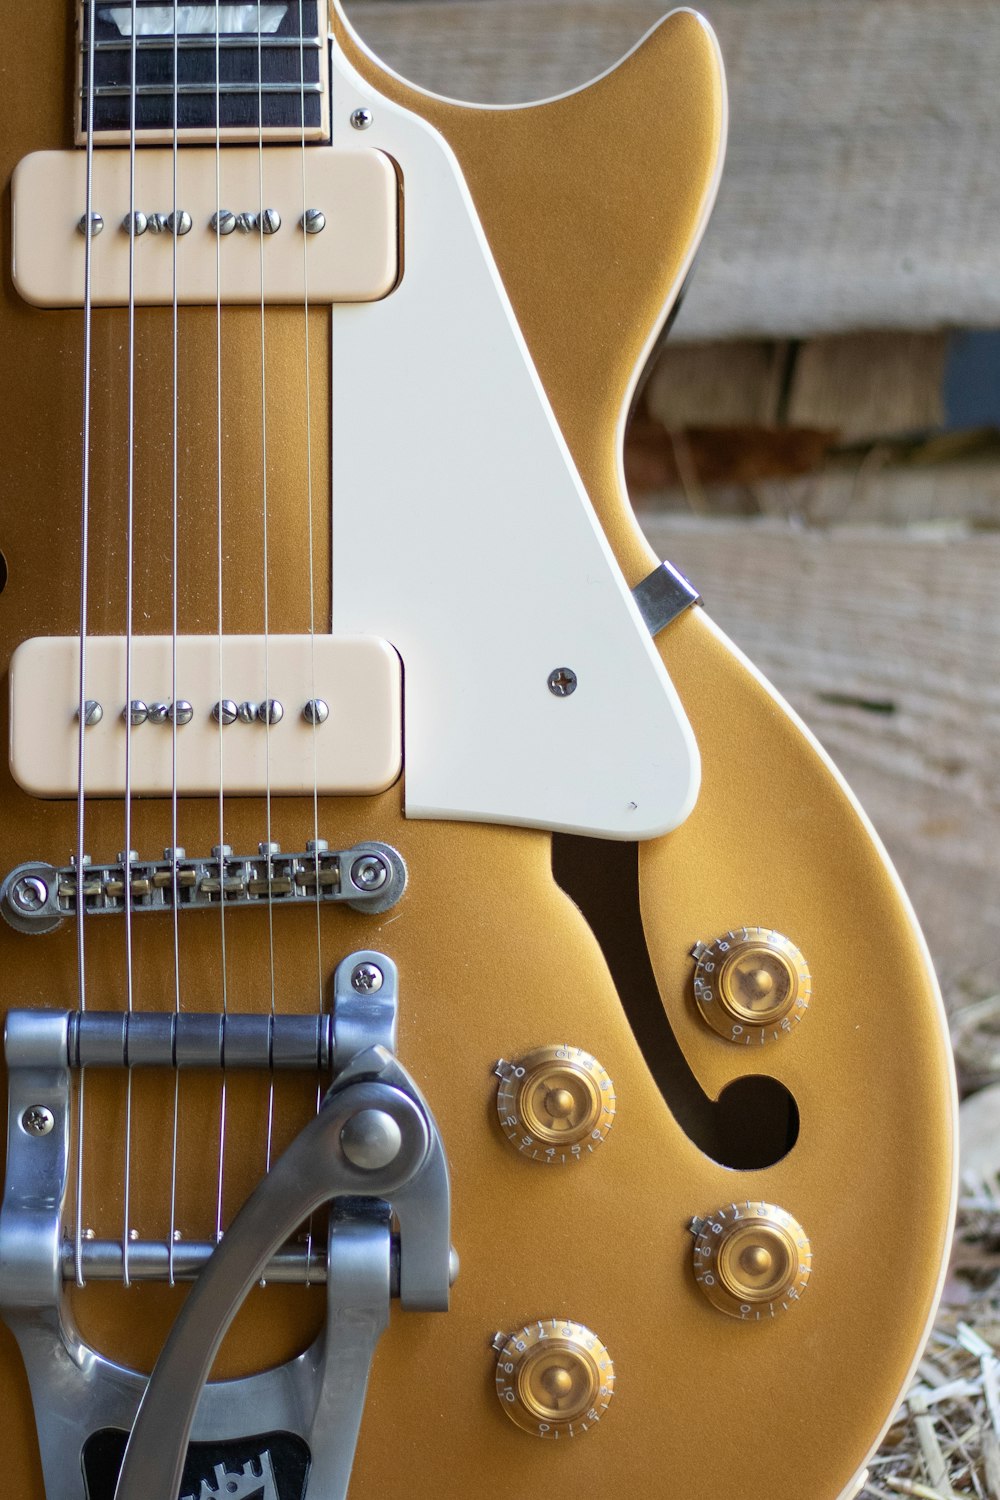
[[93, 713], [369, 872], [29, 894], [362, 119], [314, 221], [562, 682], [367, 978], [37, 1120]]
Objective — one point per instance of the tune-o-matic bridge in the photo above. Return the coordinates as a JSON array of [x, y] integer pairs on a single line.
[[369, 877]]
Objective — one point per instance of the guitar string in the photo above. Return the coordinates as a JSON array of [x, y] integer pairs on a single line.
[[312, 573], [175, 242], [129, 589], [266, 601], [219, 561], [81, 902]]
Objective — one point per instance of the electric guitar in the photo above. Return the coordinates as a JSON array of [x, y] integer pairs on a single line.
[[462, 1034]]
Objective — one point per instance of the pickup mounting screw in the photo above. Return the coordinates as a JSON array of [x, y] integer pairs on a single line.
[[96, 224], [562, 682], [93, 713], [362, 119], [225, 711], [316, 711], [367, 978], [37, 1120], [314, 221], [270, 221], [224, 221], [369, 872], [29, 894]]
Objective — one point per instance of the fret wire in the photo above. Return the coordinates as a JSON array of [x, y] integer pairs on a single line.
[[194, 43], [124, 91]]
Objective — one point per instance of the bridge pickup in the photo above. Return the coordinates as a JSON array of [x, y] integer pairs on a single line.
[[297, 712], [350, 253], [371, 877]]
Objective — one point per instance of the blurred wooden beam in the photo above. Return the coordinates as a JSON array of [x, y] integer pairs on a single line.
[[863, 183]]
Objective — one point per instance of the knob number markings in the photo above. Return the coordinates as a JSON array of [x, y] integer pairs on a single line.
[[554, 1378], [555, 1105], [752, 985], [751, 1260]]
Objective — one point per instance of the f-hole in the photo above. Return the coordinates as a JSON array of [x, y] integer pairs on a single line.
[[755, 1120]]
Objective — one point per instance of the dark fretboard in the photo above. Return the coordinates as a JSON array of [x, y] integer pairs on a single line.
[[241, 65]]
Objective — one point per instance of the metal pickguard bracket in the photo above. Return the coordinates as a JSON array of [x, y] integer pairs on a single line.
[[387, 1165]]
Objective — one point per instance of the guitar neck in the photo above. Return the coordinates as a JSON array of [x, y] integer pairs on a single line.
[[227, 71]]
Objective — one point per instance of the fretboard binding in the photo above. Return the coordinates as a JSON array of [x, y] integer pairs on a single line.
[[125, 90], [198, 43]]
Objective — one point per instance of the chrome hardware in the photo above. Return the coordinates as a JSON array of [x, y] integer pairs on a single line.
[[157, 223], [246, 223], [225, 711], [135, 713], [270, 221], [195, 1039], [36, 897], [158, 713], [223, 221], [313, 221], [135, 223], [93, 713], [562, 682], [271, 711], [181, 712], [316, 711], [362, 119], [37, 1120], [179, 222], [96, 224], [319, 1396], [367, 979], [662, 596], [248, 712]]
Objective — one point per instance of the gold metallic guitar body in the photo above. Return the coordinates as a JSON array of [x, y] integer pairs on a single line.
[[722, 1294]]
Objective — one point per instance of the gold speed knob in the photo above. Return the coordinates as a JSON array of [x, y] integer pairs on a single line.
[[751, 1260], [554, 1378], [752, 985], [555, 1105]]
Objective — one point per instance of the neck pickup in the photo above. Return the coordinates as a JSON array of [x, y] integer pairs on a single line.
[[238, 71]]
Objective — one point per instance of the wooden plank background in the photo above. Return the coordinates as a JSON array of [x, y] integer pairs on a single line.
[[862, 187]]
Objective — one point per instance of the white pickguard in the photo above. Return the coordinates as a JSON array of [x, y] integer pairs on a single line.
[[463, 535]]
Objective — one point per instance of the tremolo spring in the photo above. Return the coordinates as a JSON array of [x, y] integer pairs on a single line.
[[369, 877]]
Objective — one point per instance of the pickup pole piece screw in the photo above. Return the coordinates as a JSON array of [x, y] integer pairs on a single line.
[[158, 713], [29, 894], [371, 1139], [270, 221], [314, 221], [246, 223], [137, 713], [223, 221], [248, 712], [316, 711], [37, 1120], [93, 713], [225, 711], [271, 711], [179, 222], [158, 223], [96, 224], [362, 119], [136, 223], [562, 682], [369, 872], [367, 978], [181, 712]]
